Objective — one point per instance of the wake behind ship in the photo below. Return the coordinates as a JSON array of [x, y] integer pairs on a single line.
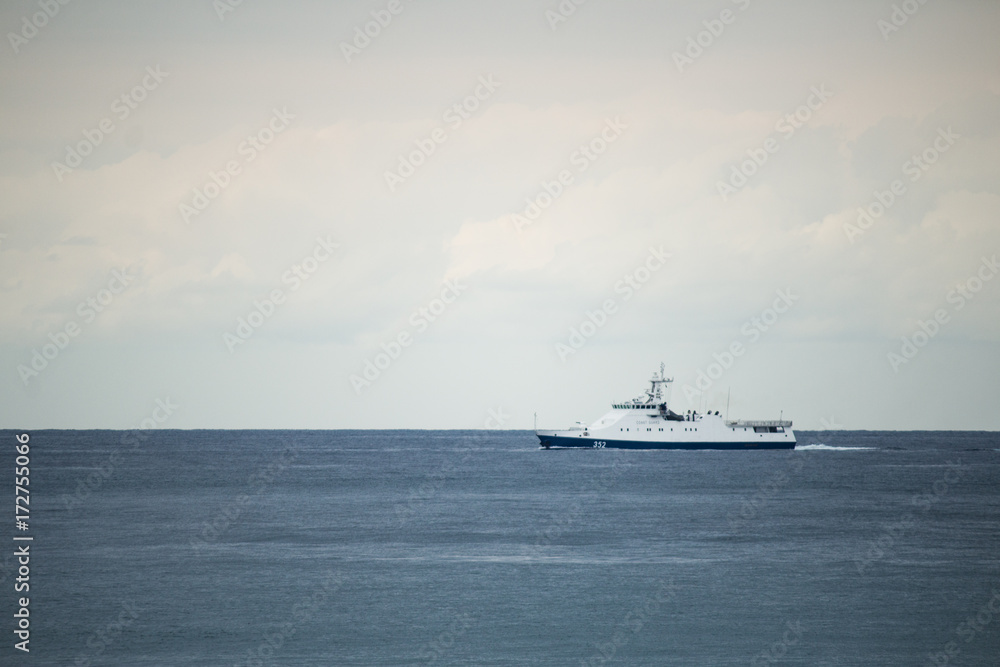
[[647, 422]]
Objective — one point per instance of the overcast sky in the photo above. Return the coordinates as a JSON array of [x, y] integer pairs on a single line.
[[676, 182]]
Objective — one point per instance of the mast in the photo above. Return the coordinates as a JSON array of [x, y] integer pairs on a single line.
[[660, 379]]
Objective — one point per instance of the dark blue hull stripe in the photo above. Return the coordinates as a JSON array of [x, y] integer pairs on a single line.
[[588, 443]]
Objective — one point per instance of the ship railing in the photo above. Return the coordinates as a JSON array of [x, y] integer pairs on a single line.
[[759, 422]]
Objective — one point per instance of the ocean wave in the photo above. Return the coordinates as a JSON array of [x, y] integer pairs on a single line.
[[830, 448]]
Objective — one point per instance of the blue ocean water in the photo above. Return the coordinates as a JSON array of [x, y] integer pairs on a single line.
[[477, 548]]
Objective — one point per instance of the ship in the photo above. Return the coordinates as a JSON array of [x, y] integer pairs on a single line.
[[647, 422]]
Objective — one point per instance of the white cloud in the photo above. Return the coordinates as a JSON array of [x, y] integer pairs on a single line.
[[656, 185]]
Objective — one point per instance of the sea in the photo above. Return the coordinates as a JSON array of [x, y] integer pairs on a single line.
[[249, 548]]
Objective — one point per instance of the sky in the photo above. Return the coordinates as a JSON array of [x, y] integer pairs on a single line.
[[417, 214]]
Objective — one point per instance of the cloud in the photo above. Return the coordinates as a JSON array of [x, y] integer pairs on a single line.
[[656, 185]]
